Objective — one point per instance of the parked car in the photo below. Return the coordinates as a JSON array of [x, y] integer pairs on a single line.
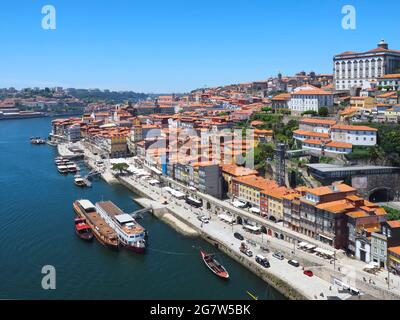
[[294, 263], [244, 249], [278, 255], [204, 219], [238, 236], [262, 261], [308, 273]]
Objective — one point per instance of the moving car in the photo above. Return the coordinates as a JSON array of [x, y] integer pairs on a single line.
[[294, 263], [278, 255], [308, 273], [262, 261], [238, 236]]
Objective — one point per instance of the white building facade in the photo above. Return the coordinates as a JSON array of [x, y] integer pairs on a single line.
[[353, 69], [309, 98], [355, 135]]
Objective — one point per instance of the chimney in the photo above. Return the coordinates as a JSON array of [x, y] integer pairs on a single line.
[[382, 44]]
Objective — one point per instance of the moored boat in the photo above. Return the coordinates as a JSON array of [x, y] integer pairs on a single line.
[[130, 234], [83, 230], [62, 169], [101, 230], [72, 168], [216, 268], [79, 182]]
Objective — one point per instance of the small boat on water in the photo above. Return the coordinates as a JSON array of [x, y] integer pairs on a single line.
[[101, 230], [79, 182], [62, 169], [216, 268], [37, 140], [83, 230]]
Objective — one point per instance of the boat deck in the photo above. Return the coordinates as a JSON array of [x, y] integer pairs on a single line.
[[113, 211], [98, 224], [102, 227]]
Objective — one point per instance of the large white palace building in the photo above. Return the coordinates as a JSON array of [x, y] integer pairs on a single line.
[[358, 69]]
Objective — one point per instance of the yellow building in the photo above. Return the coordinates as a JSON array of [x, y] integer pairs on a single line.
[[362, 102], [230, 171]]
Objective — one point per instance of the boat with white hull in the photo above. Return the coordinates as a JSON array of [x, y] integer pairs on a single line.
[[130, 234]]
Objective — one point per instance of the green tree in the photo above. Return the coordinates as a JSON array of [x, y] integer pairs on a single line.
[[121, 167], [262, 152], [392, 214], [323, 112], [310, 112]]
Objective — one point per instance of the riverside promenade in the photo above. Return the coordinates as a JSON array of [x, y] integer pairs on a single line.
[[295, 285]]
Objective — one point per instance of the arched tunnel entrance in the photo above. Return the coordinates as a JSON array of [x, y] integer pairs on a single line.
[[381, 195]]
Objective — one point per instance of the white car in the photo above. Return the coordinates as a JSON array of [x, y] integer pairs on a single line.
[[203, 219]]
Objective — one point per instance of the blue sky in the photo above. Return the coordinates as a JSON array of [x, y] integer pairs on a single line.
[[176, 46]]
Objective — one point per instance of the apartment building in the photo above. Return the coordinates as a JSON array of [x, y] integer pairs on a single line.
[[355, 135]]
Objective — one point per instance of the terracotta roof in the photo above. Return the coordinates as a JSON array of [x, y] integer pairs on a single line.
[[311, 141], [237, 171], [394, 224], [353, 128], [337, 144], [395, 250], [314, 92], [256, 182], [335, 206], [282, 97], [318, 121], [320, 191], [312, 134], [391, 76], [357, 214]]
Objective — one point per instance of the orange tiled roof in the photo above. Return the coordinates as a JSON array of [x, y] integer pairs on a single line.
[[238, 171], [312, 141], [256, 182], [312, 134], [353, 128], [391, 76], [395, 250], [337, 144], [318, 121], [394, 224]]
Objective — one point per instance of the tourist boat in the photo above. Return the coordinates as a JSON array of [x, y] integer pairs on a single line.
[[101, 230], [83, 230], [79, 181], [62, 169], [130, 234], [212, 264]]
